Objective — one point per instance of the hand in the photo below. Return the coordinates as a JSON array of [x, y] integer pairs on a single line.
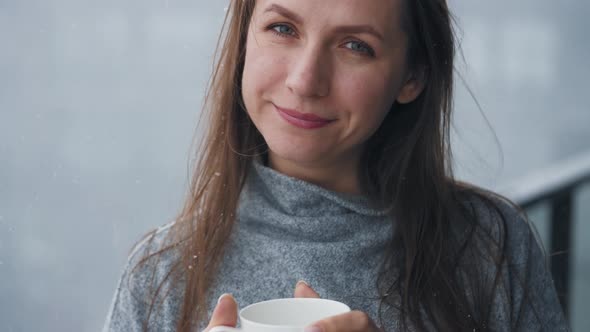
[[354, 321], [225, 313]]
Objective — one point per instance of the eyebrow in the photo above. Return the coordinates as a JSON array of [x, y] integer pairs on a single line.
[[284, 12], [363, 28], [359, 29]]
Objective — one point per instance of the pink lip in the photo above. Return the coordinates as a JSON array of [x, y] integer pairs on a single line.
[[303, 120]]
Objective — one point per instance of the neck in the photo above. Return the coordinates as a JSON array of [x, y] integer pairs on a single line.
[[339, 176]]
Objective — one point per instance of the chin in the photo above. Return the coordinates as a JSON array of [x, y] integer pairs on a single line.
[[302, 154]]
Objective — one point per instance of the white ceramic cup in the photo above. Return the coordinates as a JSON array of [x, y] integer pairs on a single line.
[[284, 315]]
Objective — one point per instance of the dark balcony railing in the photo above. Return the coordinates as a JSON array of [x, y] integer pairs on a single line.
[[555, 186]]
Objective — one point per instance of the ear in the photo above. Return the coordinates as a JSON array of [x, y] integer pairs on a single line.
[[412, 88]]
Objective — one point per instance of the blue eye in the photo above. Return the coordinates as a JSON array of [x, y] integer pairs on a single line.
[[282, 29], [360, 47]]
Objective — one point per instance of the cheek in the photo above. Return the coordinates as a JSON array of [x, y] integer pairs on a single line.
[[263, 72], [369, 96]]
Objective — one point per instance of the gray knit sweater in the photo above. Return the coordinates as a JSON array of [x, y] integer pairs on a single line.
[[288, 229]]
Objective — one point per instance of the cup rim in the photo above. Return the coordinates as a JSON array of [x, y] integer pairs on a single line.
[[297, 299]]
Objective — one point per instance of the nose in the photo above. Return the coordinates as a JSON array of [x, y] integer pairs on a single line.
[[309, 73]]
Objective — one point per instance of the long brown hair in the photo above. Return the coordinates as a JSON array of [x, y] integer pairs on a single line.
[[406, 167]]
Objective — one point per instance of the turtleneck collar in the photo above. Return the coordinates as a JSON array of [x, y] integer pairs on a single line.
[[277, 206], [297, 197]]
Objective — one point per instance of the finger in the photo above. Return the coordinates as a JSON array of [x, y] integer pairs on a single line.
[[225, 312], [350, 321], [302, 289]]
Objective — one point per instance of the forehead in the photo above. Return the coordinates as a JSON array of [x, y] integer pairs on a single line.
[[383, 14]]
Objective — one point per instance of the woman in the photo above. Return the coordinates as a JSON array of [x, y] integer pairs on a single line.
[[327, 160]]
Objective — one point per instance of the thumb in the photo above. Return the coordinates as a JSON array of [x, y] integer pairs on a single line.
[[225, 312], [302, 289]]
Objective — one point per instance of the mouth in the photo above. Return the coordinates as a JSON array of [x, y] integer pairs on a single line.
[[303, 120]]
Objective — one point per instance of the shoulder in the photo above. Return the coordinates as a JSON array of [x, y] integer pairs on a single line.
[[502, 228], [150, 260], [500, 220], [152, 242]]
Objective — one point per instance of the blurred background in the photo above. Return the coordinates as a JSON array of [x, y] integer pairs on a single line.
[[98, 108]]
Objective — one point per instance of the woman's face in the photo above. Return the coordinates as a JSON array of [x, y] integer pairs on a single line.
[[339, 60]]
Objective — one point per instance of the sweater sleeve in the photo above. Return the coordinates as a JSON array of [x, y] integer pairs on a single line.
[[126, 313], [131, 304], [526, 299], [535, 305]]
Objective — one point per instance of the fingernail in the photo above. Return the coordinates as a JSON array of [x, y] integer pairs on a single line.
[[313, 328], [222, 296], [302, 282]]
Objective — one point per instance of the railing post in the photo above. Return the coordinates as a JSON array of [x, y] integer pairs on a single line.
[[561, 229]]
